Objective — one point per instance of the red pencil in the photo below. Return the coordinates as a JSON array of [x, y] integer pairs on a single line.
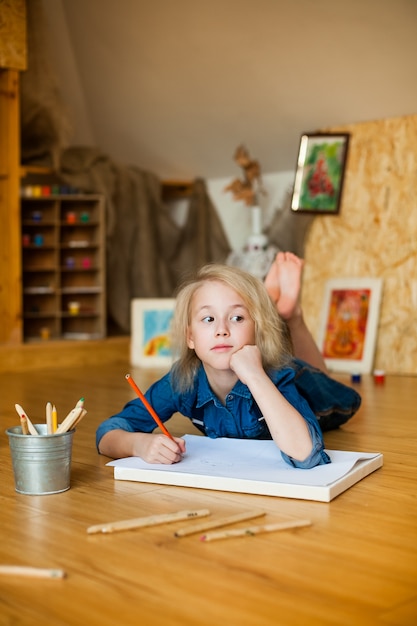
[[148, 406]]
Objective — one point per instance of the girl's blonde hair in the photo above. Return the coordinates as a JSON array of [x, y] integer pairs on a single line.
[[271, 333]]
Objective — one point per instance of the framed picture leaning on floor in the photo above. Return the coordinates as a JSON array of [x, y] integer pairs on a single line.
[[151, 325], [349, 323]]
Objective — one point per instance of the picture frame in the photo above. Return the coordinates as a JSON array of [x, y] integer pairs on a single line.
[[150, 344], [320, 173], [349, 324]]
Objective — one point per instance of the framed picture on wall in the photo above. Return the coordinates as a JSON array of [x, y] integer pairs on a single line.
[[349, 324], [320, 173], [150, 325]]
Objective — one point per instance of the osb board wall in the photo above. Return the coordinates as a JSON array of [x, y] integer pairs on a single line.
[[13, 50], [375, 235]]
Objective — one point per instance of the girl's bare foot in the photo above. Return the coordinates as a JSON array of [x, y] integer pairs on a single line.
[[283, 283]]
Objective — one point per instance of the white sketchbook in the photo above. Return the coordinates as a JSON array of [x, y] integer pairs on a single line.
[[251, 466]]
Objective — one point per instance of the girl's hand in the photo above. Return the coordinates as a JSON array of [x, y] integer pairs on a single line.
[[246, 362], [159, 448]]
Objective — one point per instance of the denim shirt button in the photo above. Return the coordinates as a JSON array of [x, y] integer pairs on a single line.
[[230, 396]]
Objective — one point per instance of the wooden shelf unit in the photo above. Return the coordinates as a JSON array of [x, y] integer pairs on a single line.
[[63, 267]]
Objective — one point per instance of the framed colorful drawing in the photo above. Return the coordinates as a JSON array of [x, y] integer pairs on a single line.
[[349, 324], [320, 173], [150, 344]]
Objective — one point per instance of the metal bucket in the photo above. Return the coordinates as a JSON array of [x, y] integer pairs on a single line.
[[41, 464]]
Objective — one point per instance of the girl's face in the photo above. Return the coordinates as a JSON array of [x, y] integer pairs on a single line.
[[220, 324]]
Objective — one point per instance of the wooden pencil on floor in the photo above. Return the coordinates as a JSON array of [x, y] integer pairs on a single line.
[[253, 530], [33, 572], [217, 523], [142, 522]]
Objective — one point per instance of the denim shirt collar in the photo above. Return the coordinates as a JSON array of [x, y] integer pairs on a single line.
[[205, 394]]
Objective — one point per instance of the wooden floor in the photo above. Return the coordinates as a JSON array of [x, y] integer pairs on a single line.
[[356, 564]]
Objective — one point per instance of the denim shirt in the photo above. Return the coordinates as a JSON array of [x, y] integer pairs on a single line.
[[239, 417]]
